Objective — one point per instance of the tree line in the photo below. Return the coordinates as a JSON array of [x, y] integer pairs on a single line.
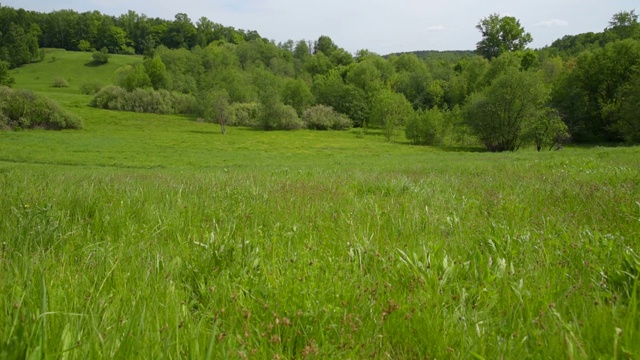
[[504, 95]]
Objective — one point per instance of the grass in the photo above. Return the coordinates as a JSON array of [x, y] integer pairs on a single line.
[[147, 236]]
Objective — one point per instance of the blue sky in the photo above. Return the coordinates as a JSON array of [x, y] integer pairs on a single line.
[[382, 26]]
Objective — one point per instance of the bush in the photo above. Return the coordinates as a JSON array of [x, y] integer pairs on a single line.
[[425, 127], [278, 116], [100, 57], [60, 82], [244, 114], [144, 101], [90, 88], [322, 117], [22, 109]]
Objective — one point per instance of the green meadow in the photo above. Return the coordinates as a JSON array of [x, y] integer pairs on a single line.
[[148, 236]]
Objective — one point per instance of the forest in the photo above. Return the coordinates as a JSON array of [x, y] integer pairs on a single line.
[[504, 96]]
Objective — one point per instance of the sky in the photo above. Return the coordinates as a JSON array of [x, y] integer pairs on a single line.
[[381, 26]]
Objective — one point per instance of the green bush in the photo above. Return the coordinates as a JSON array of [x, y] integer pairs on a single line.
[[244, 114], [147, 100], [60, 82], [322, 117], [425, 127], [90, 87], [100, 57], [22, 109], [277, 116]]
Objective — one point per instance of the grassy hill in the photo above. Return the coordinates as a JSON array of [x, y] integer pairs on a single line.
[[147, 236]]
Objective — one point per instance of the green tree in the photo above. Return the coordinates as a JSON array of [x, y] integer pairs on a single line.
[[425, 127], [390, 110], [297, 94], [628, 119], [501, 34], [547, 130], [5, 78], [215, 107], [132, 77], [501, 115], [157, 72]]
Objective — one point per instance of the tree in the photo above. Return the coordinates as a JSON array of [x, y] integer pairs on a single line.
[[132, 77], [501, 34], [501, 114], [390, 110], [548, 130], [628, 121], [157, 72], [215, 107], [5, 78]]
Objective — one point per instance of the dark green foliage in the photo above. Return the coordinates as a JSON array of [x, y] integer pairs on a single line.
[[321, 117], [144, 100], [501, 114], [22, 109], [5, 78], [628, 117]]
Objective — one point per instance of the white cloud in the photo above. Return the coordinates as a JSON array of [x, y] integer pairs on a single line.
[[552, 23]]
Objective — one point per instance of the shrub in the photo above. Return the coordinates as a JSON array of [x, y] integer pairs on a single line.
[[90, 87], [60, 82], [147, 100], [425, 127], [322, 117], [5, 77], [100, 57], [24, 109], [244, 114], [277, 116]]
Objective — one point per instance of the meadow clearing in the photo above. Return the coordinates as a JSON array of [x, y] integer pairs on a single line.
[[147, 236]]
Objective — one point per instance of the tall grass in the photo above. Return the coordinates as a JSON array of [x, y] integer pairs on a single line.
[[487, 256]]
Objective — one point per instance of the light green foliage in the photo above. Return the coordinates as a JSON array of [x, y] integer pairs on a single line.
[[298, 94], [84, 46], [321, 117], [390, 110], [425, 127], [132, 77], [157, 72], [502, 113], [501, 34], [23, 109], [60, 82]]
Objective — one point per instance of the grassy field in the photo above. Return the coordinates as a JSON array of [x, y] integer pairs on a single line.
[[145, 236]]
